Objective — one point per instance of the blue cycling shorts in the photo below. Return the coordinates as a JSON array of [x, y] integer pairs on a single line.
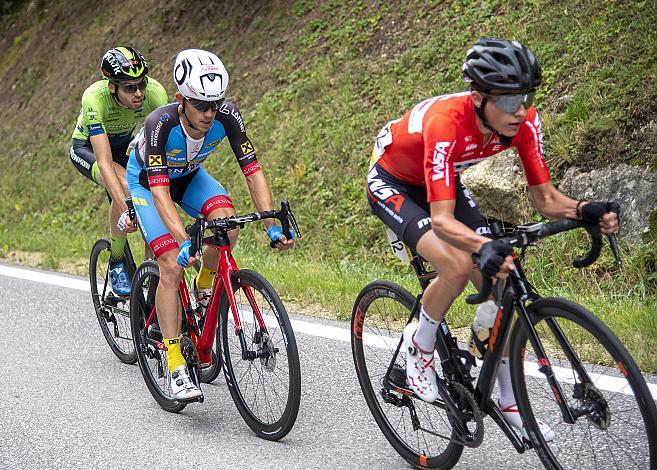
[[196, 193]]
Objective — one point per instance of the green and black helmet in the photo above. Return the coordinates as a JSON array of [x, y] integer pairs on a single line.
[[123, 63]]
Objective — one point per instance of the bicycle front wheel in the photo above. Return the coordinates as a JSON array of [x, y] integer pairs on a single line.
[[112, 311], [261, 365], [151, 355], [420, 432], [615, 417]]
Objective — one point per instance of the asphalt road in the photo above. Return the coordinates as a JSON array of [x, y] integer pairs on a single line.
[[67, 402]]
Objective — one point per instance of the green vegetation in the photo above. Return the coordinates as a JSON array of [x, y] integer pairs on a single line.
[[315, 81]]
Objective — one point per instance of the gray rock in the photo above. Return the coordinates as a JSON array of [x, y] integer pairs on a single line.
[[633, 187], [498, 187]]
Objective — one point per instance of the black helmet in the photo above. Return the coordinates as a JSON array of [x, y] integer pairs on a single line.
[[501, 65], [123, 63]]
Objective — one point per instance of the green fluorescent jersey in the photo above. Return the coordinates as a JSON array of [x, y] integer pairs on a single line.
[[102, 114]]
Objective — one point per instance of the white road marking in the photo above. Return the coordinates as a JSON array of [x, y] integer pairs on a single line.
[[45, 278], [612, 384]]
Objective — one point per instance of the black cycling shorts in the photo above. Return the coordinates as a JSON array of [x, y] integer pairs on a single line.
[[82, 156], [404, 208]]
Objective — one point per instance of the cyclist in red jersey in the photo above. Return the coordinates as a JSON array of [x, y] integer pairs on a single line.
[[414, 187]]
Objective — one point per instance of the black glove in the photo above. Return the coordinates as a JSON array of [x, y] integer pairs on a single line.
[[592, 212], [491, 256]]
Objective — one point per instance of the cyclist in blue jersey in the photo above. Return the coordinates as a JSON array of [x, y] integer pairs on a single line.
[[165, 167]]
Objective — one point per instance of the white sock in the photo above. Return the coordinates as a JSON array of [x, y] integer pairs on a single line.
[[505, 389], [425, 335]]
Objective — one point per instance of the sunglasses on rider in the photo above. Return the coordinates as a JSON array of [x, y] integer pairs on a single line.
[[511, 103], [132, 87], [204, 106]]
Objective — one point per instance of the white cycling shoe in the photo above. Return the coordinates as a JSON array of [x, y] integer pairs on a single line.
[[182, 387], [512, 416], [420, 374]]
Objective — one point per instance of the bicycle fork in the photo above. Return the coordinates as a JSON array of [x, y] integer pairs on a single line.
[[544, 366], [260, 335]]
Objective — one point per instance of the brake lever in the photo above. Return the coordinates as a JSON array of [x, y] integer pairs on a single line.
[[195, 232], [286, 218], [293, 221], [613, 243]]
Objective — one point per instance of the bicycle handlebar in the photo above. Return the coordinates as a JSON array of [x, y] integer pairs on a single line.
[[284, 215], [530, 233]]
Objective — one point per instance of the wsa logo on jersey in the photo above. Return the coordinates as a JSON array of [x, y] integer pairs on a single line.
[[439, 156]]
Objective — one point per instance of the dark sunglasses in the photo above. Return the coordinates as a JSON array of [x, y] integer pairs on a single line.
[[133, 87], [511, 103], [204, 106]]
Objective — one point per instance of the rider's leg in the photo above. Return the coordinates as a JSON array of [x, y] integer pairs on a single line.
[[206, 196], [166, 298], [210, 258], [454, 268], [169, 315], [118, 236]]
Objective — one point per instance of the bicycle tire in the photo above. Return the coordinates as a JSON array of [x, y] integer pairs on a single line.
[[282, 375], [152, 361], [380, 313], [617, 383], [112, 312]]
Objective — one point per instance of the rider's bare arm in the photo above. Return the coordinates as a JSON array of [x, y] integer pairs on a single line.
[[260, 195], [103, 153], [552, 203], [456, 233]]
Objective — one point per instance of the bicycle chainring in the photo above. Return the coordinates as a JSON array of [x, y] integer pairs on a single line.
[[469, 426], [190, 353]]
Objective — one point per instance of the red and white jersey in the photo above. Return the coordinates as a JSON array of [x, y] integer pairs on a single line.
[[439, 138]]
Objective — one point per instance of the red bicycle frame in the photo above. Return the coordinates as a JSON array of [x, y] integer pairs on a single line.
[[221, 283]]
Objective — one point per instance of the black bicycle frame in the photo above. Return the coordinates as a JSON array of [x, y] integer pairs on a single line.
[[514, 293]]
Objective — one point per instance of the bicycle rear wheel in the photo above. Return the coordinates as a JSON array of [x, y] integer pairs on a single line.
[[411, 426], [151, 357], [113, 312], [266, 389], [616, 425]]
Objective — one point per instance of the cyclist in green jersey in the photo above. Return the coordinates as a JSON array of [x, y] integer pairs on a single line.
[[111, 109]]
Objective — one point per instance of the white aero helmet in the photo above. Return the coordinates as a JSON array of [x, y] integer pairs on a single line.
[[200, 75]]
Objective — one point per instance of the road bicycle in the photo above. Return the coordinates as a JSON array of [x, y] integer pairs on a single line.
[[112, 311], [246, 323], [568, 370]]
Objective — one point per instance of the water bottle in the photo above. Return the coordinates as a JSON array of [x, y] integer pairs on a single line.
[[481, 327]]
